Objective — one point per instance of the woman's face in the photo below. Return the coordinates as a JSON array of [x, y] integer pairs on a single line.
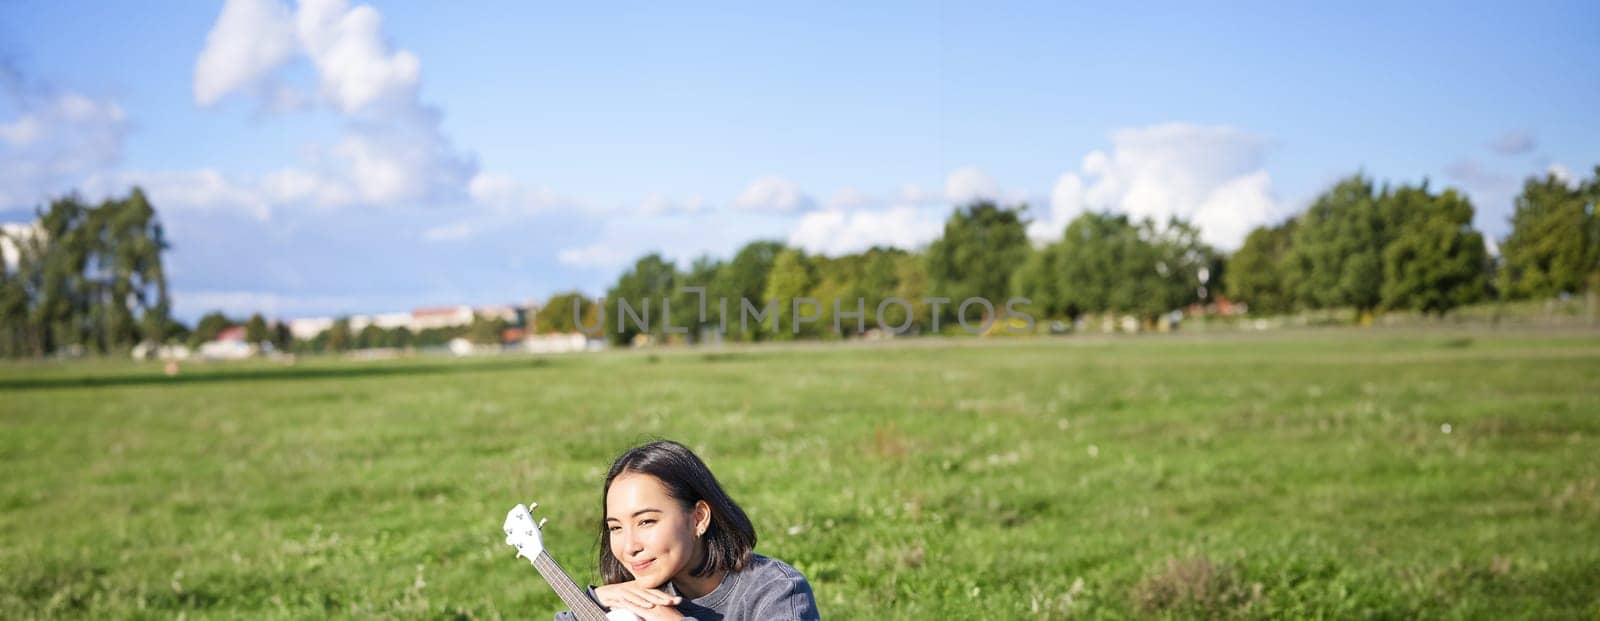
[[651, 534]]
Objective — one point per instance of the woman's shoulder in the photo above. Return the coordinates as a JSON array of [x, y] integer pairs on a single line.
[[774, 589], [770, 568]]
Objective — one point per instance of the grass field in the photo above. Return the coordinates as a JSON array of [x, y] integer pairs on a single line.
[[1325, 474]]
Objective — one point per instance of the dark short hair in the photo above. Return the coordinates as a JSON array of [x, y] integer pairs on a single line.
[[729, 539]]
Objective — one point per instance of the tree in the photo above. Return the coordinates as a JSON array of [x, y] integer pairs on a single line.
[[982, 245], [486, 330], [371, 336], [641, 289], [1257, 274], [255, 329], [1172, 280], [686, 305], [1554, 245], [282, 337], [881, 278], [1336, 256], [1434, 260], [1096, 256], [339, 337], [1040, 282], [209, 327], [745, 278], [793, 276], [85, 276], [557, 315]]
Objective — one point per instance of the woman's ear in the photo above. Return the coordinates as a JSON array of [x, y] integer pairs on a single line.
[[701, 517]]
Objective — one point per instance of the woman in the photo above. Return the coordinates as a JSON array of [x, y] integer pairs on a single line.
[[673, 545]]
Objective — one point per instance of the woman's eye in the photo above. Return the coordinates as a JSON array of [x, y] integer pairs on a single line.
[[646, 522]]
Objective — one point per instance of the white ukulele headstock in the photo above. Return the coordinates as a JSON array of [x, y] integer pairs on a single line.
[[523, 533], [527, 536]]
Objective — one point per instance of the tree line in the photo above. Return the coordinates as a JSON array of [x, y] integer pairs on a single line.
[[1358, 245], [89, 278]]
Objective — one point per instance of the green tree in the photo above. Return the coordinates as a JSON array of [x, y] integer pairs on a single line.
[[641, 288], [1336, 253], [209, 326], [1554, 245], [486, 330], [1172, 280], [793, 276], [1434, 260], [339, 337], [557, 315], [1257, 274], [1099, 263], [1039, 281], [686, 305], [255, 329], [61, 311], [282, 338], [745, 278], [982, 245]]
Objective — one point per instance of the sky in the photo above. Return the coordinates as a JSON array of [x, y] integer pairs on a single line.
[[328, 157]]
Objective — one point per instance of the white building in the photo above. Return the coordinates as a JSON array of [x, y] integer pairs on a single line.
[[308, 328], [559, 343]]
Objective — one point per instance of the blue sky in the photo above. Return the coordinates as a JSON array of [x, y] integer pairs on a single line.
[[335, 157]]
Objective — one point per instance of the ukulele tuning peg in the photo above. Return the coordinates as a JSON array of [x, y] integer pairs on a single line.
[[542, 521]]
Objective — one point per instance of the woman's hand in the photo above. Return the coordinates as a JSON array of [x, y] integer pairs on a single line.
[[634, 597], [655, 613]]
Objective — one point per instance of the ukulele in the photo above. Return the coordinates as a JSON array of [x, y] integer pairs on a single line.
[[526, 536]]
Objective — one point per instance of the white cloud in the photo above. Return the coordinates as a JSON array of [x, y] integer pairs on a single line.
[[603, 255], [1066, 202], [251, 39], [1562, 173], [503, 193], [392, 150], [969, 184], [181, 190], [836, 231], [357, 67], [773, 194], [55, 140], [1210, 175]]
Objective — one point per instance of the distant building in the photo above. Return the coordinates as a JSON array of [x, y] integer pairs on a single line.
[[561, 343], [230, 344], [440, 317], [308, 328]]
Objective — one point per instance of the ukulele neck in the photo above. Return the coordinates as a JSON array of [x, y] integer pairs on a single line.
[[576, 598]]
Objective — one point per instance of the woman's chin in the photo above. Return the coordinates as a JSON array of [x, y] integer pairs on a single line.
[[650, 580]]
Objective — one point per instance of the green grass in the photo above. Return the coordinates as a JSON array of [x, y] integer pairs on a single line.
[[1299, 474]]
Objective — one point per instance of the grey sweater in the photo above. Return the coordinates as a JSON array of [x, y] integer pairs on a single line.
[[767, 590]]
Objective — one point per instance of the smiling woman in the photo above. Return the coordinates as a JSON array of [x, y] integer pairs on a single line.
[[673, 545]]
